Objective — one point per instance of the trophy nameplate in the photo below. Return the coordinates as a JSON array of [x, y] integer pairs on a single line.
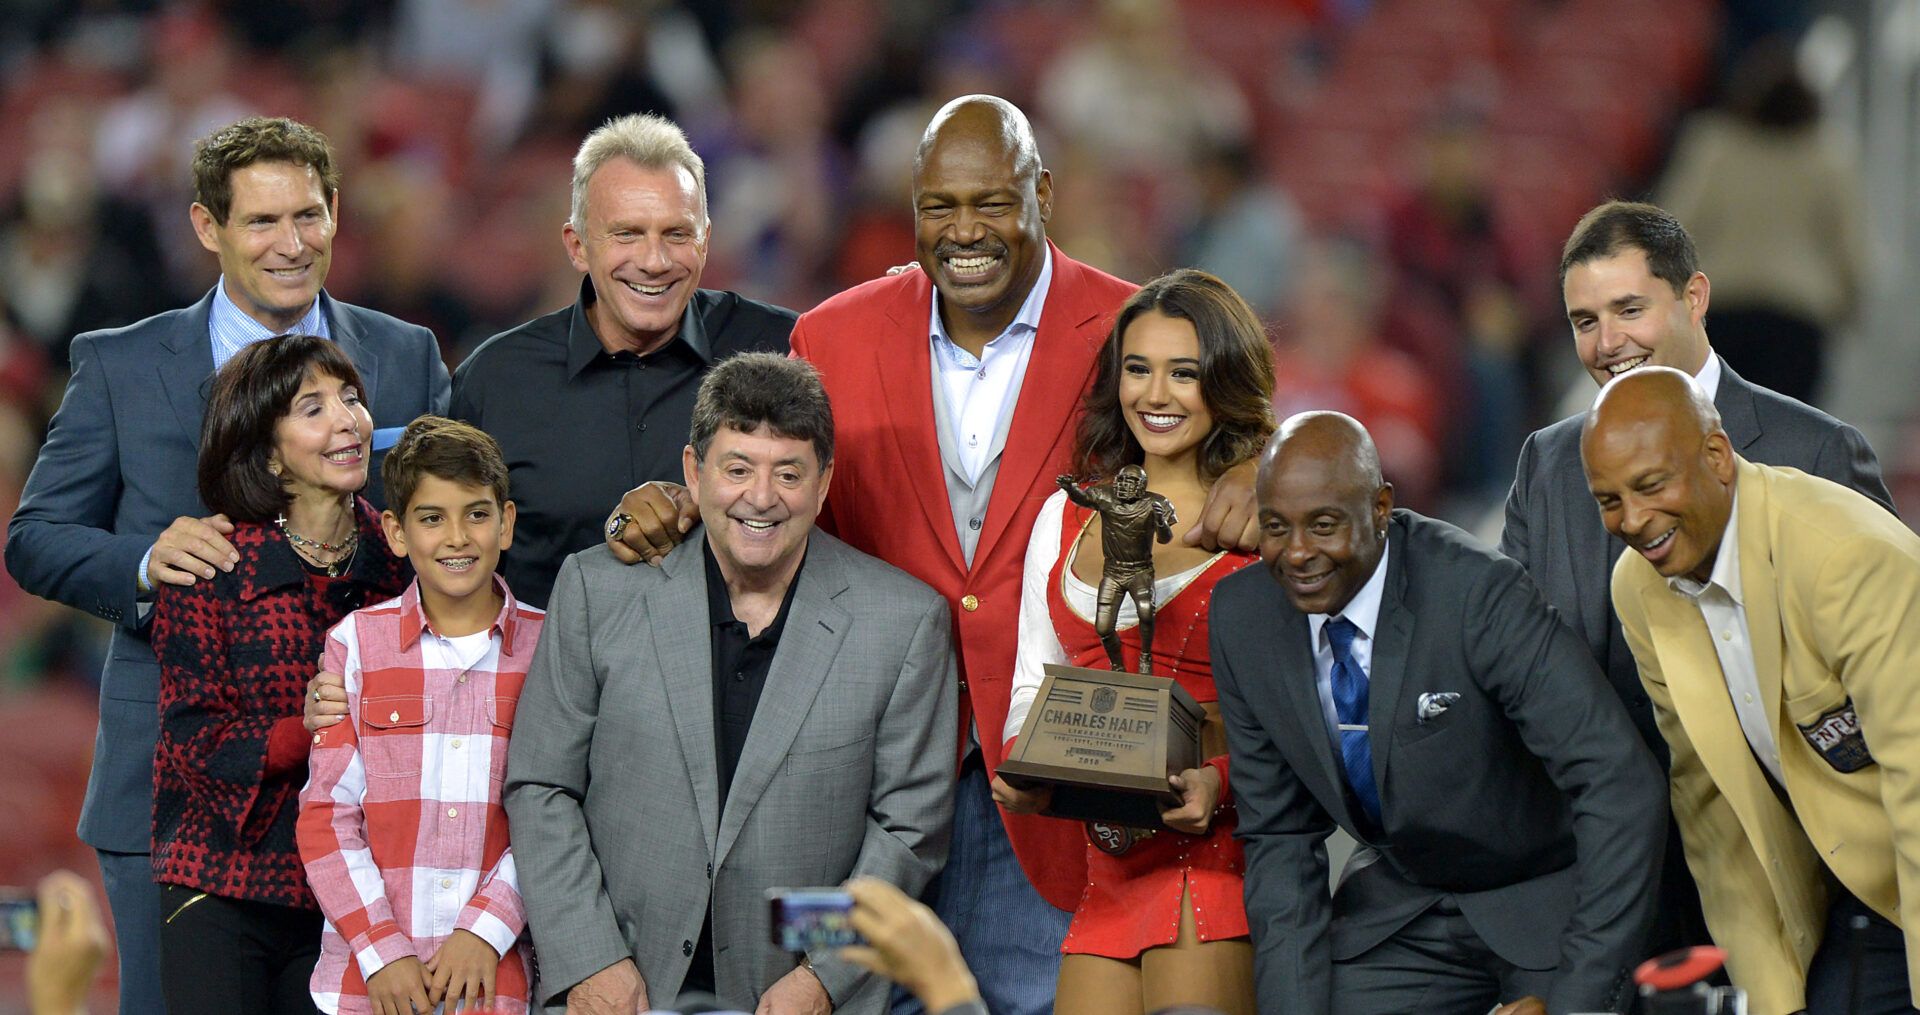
[[1106, 741]]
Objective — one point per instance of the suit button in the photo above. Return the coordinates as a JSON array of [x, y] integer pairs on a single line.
[[969, 602], [709, 872], [686, 948], [963, 687]]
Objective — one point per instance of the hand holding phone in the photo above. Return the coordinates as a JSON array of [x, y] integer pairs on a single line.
[[805, 920]]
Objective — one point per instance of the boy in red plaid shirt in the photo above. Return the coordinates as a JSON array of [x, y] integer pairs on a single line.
[[401, 828]]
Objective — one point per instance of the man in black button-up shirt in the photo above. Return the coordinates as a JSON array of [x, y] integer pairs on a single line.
[[594, 399]]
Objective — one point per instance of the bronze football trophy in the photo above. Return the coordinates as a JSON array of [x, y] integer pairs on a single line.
[[1106, 740]]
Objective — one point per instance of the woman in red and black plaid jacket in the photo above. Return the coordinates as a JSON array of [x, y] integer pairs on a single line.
[[283, 451]]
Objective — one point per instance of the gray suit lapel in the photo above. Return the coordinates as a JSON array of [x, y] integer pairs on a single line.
[[1737, 413], [815, 627], [1392, 644], [187, 369], [682, 641]]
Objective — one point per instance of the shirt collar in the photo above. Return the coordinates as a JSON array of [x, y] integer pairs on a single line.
[[583, 346], [226, 317], [1726, 562], [1027, 319], [1708, 379], [413, 618], [1363, 610]]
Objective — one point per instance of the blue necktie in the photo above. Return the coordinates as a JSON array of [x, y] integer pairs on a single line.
[[1350, 706]]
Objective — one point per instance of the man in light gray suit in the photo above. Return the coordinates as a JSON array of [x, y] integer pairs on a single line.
[[1635, 295], [768, 708]]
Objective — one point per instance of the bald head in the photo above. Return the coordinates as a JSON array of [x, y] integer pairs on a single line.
[[1652, 393], [1324, 510], [1334, 438], [1661, 469], [983, 119]]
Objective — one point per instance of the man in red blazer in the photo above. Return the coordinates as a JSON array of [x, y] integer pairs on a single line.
[[953, 415], [1014, 332]]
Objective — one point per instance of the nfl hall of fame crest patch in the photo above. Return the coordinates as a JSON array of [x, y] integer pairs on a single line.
[[1104, 698], [1836, 735]]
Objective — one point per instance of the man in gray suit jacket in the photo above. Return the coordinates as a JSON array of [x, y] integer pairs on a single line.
[[1635, 295], [110, 509], [1392, 677], [768, 708]]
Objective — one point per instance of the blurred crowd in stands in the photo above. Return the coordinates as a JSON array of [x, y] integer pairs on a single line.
[[1387, 181]]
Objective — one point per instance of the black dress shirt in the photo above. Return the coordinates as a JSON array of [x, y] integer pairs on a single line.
[[740, 665], [580, 426]]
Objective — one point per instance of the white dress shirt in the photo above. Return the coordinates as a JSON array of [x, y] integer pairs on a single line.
[[1363, 610], [979, 390], [1725, 612]]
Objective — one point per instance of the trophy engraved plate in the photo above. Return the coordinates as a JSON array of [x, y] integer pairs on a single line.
[[1106, 740]]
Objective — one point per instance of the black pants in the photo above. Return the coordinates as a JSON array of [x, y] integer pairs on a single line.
[[235, 957], [1877, 949]]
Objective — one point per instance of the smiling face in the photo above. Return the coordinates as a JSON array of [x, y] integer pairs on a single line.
[[644, 245], [277, 243], [759, 494], [1624, 316], [453, 533], [1160, 386], [320, 447], [1664, 488], [1321, 531], [980, 225]]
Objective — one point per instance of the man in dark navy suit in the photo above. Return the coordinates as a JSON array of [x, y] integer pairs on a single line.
[[110, 511]]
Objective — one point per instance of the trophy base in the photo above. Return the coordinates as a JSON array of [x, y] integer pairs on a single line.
[[1135, 808]]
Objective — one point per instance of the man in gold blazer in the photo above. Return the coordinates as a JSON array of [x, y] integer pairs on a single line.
[[1775, 620]]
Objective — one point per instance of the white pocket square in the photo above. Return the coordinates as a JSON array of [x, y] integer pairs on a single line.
[[1433, 703]]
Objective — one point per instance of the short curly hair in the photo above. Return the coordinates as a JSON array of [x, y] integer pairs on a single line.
[[257, 139]]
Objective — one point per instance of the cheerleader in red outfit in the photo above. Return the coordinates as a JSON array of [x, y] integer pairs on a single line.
[[1184, 389]]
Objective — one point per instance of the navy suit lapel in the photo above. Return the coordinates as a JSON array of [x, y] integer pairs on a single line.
[[1289, 645], [345, 327], [186, 370], [1392, 648]]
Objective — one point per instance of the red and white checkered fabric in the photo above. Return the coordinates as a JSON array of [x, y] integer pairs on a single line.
[[401, 826]]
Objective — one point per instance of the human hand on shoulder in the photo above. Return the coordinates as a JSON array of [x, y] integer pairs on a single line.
[[651, 520], [1230, 519], [190, 550]]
